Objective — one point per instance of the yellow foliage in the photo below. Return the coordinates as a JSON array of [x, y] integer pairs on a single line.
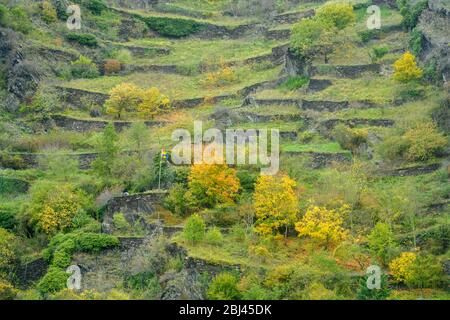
[[223, 76], [406, 69], [122, 98], [401, 267], [323, 225], [7, 251], [153, 102], [275, 203], [212, 184], [58, 213]]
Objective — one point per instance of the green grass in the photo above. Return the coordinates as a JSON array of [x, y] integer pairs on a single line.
[[330, 147], [175, 86], [192, 52]]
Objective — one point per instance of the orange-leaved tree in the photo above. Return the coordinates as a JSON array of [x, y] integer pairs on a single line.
[[276, 204], [212, 184]]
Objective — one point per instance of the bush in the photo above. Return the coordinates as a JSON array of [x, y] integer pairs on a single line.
[[120, 223], [84, 68], [365, 293], [61, 259], [379, 52], [348, 138], [112, 66], [214, 236], [173, 27], [7, 291], [7, 219], [175, 201], [8, 253], [224, 287], [368, 35], [96, 6], [382, 242], [406, 69], [425, 142], [411, 13], [224, 76], [294, 83], [15, 18], [415, 41], [84, 39], [194, 230], [339, 15], [49, 14], [54, 281]]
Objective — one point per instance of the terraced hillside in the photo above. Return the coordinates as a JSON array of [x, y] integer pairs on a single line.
[[364, 165]]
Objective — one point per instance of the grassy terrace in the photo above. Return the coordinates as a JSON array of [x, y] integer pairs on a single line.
[[329, 147], [192, 52], [225, 21], [175, 86], [382, 90]]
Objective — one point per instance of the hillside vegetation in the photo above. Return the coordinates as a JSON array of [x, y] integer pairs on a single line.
[[364, 129]]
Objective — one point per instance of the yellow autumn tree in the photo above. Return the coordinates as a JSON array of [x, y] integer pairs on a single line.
[[153, 103], [58, 214], [212, 184], [401, 267], [323, 225], [406, 69], [123, 98], [275, 203]]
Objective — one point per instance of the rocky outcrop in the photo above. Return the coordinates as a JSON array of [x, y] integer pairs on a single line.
[[434, 24], [316, 85], [82, 125], [134, 208], [293, 17], [331, 123], [319, 160], [77, 97], [22, 76], [297, 65], [29, 273], [411, 171], [347, 71]]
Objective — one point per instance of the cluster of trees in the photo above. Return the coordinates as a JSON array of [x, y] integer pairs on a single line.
[[127, 97], [319, 35]]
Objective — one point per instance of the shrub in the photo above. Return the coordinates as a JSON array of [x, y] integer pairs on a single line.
[[368, 35], [224, 287], [8, 253], [7, 290], [173, 27], [175, 201], [94, 242], [96, 6], [424, 141], [84, 68], [348, 138], [294, 83], [53, 281], [379, 52], [7, 219], [401, 267], [411, 13], [84, 39], [417, 271], [415, 41], [61, 258], [224, 76], [112, 66], [339, 15], [194, 230], [406, 69], [364, 293], [49, 14], [18, 19], [382, 242], [214, 236], [120, 223]]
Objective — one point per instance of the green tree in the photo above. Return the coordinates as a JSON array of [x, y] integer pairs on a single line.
[[108, 152], [194, 230], [382, 242], [338, 15]]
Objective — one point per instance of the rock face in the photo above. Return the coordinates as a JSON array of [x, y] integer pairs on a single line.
[[31, 272], [133, 207], [434, 23], [296, 65], [22, 77]]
